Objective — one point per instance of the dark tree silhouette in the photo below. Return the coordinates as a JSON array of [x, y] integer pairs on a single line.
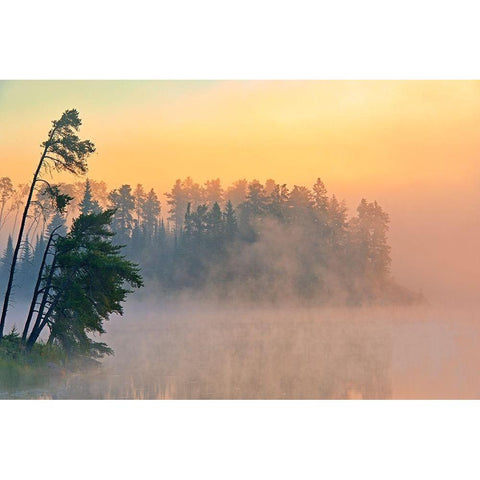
[[62, 151], [86, 282], [150, 213], [88, 203], [123, 203]]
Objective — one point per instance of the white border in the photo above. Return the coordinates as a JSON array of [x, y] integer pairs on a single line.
[[241, 439], [249, 39], [92, 39]]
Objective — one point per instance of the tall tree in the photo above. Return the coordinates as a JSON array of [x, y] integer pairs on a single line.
[[123, 203], [371, 252], [181, 194], [320, 204], [139, 198], [18, 201], [5, 262], [299, 205], [256, 202], [213, 192], [25, 266], [230, 221], [62, 151], [150, 213], [278, 200], [237, 193], [6, 192], [270, 186], [88, 203], [177, 200], [58, 224], [215, 226], [337, 221], [99, 193], [320, 196]]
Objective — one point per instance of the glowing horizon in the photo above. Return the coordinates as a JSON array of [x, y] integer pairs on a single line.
[[347, 132], [411, 145]]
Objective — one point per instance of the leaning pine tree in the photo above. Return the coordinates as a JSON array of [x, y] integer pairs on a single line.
[[86, 280], [62, 151]]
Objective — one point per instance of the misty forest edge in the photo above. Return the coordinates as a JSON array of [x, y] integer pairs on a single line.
[[250, 242]]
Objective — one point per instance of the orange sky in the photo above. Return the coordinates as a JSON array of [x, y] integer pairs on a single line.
[[412, 145], [347, 132]]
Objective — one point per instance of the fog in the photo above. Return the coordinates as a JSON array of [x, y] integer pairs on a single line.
[[434, 233], [191, 346], [194, 349]]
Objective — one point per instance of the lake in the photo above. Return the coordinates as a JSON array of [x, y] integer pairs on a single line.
[[200, 350]]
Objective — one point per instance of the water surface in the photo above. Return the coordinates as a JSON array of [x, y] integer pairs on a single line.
[[203, 351]]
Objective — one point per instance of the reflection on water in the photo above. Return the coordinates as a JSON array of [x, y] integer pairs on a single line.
[[292, 353]]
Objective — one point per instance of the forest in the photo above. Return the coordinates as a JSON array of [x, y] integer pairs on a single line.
[[250, 241], [75, 251]]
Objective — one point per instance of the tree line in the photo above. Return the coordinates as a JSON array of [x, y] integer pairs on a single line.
[[251, 240]]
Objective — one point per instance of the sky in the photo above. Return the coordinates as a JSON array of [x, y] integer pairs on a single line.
[[413, 146]]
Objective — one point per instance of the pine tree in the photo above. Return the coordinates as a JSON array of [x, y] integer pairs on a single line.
[[87, 281], [252, 211], [88, 203], [139, 198], [213, 192], [188, 223], [58, 220], [26, 271], [237, 193], [215, 227], [320, 196], [337, 221], [370, 249], [7, 254], [150, 213], [321, 205], [230, 221], [183, 193], [5, 262], [38, 251], [6, 192], [26, 256], [278, 199], [123, 203], [63, 151], [299, 205]]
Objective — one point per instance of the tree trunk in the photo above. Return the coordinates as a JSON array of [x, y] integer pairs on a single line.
[[37, 288], [46, 292], [37, 329], [8, 291], [39, 323]]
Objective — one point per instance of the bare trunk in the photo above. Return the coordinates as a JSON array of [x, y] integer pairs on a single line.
[[8, 291], [37, 288], [41, 323], [41, 309]]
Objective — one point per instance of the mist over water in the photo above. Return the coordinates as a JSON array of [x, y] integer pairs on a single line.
[[189, 349]]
